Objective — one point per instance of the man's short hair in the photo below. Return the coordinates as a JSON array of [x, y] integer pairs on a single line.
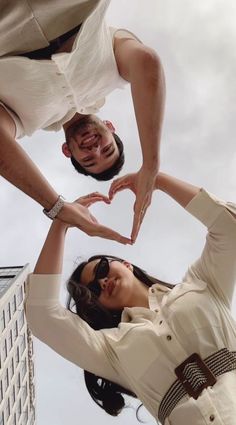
[[110, 172]]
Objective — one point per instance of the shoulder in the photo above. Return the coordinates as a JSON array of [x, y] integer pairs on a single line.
[[130, 52]]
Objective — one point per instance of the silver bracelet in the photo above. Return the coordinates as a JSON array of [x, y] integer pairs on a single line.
[[54, 211]]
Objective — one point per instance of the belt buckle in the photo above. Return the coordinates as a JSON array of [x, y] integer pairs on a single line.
[[195, 375]]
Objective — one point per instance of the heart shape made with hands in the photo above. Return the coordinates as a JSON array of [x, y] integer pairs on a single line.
[[90, 224]]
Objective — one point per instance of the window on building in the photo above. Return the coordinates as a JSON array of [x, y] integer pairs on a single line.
[[19, 409], [10, 340], [11, 368], [8, 409], [15, 330], [24, 368], [13, 304], [1, 392], [25, 415], [2, 418], [8, 313], [17, 355], [19, 295], [4, 350], [18, 382], [13, 396], [14, 419], [21, 320], [6, 380], [24, 394], [22, 344], [2, 321]]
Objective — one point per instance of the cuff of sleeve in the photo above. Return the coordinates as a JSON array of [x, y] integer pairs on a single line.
[[205, 207], [19, 127], [42, 288]]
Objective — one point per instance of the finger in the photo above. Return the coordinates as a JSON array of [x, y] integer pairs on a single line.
[[117, 187], [136, 227], [107, 233], [99, 198], [139, 213], [92, 198]]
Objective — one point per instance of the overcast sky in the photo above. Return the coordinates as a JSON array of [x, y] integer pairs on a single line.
[[196, 42]]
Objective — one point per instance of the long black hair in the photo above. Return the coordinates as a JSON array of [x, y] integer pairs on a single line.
[[85, 304]]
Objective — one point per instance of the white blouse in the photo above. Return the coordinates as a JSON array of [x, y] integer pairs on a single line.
[[44, 94], [142, 353]]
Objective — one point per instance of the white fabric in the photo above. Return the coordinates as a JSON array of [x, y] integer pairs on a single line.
[[44, 94], [139, 354]]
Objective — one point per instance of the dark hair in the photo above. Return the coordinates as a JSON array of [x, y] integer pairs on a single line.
[[110, 172], [105, 393]]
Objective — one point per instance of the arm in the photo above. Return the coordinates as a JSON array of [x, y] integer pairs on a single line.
[[18, 169], [141, 66], [65, 332], [181, 191], [217, 263]]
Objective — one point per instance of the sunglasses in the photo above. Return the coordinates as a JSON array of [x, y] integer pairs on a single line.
[[102, 269]]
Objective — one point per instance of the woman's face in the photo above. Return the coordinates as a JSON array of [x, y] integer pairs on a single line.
[[117, 287]]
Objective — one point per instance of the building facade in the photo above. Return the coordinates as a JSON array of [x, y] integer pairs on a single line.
[[17, 390]]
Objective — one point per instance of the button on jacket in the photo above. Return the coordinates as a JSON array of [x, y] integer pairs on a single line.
[[44, 94], [142, 353]]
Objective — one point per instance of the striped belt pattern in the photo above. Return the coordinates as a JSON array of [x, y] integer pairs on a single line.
[[196, 377]]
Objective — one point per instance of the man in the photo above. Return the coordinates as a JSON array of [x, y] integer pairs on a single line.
[[66, 89]]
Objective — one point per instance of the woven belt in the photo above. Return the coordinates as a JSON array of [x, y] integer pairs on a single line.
[[195, 374]]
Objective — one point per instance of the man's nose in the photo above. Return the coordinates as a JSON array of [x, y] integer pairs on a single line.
[[93, 148]]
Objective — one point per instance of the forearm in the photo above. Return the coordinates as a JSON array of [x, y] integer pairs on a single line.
[[179, 190], [51, 257], [148, 93], [18, 169]]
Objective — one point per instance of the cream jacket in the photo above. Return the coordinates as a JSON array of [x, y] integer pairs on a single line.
[[142, 353]]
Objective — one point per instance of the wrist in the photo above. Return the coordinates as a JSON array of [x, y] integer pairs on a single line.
[[55, 209], [160, 181], [151, 166], [60, 226]]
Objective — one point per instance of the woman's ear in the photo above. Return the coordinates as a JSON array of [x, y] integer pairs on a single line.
[[128, 265], [65, 149]]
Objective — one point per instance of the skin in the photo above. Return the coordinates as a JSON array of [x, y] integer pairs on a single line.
[[120, 288], [90, 141]]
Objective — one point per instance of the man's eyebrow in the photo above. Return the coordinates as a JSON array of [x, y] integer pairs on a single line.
[[90, 165]]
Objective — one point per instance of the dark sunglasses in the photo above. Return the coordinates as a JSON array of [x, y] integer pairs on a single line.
[[101, 271]]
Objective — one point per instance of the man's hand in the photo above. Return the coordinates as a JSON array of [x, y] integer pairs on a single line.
[[142, 185], [77, 214]]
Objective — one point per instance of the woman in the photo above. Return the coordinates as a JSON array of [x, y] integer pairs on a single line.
[[174, 348]]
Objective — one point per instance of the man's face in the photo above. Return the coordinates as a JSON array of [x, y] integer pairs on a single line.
[[90, 141]]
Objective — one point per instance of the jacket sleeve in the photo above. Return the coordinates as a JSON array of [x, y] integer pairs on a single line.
[[217, 263], [65, 332]]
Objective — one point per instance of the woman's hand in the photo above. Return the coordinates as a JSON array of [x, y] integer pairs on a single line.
[[142, 185], [79, 215]]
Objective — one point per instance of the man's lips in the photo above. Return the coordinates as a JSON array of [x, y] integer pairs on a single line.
[[89, 140]]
